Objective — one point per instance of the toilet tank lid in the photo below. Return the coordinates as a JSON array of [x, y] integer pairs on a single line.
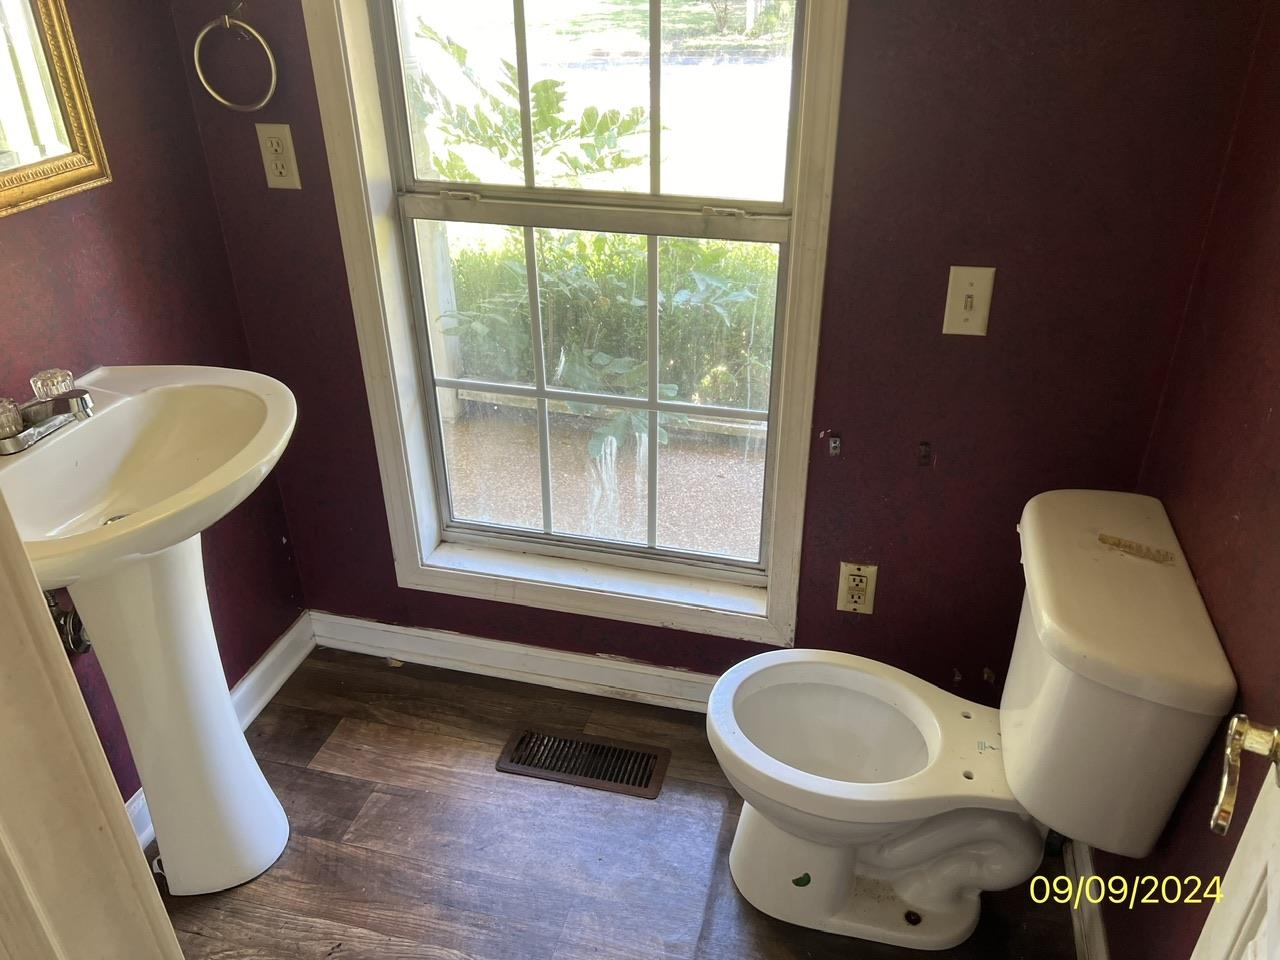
[[1112, 599]]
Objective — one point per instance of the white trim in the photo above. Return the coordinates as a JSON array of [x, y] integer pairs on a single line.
[[253, 692], [346, 77], [660, 221], [72, 883], [256, 688], [601, 675], [706, 605], [1245, 922], [1086, 922]]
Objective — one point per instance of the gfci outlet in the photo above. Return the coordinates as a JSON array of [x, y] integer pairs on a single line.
[[857, 587], [278, 161]]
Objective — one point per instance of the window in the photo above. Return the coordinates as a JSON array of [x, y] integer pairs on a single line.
[[575, 354], [596, 201]]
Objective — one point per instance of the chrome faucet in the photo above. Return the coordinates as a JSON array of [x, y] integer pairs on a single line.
[[57, 402]]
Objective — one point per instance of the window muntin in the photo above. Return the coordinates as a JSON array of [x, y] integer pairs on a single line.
[[671, 378]]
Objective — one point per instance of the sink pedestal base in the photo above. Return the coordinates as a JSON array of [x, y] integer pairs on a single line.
[[217, 821]]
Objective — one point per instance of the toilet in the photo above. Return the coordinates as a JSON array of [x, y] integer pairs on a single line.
[[877, 805]]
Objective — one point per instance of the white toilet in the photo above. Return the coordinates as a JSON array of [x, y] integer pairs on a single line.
[[879, 806]]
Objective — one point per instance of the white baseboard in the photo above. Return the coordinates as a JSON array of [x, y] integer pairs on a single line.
[[256, 688], [1086, 922], [253, 692], [602, 675], [599, 674]]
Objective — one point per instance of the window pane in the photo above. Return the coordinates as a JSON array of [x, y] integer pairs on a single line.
[[711, 485], [491, 457], [593, 298], [461, 93], [589, 93], [716, 303], [476, 286], [599, 471], [726, 97]]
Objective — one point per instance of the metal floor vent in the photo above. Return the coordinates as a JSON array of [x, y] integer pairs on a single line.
[[635, 769]]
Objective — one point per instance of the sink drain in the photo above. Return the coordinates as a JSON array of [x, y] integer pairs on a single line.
[[110, 520]]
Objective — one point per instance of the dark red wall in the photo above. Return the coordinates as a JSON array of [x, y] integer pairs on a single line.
[[1075, 146], [136, 272], [1215, 461]]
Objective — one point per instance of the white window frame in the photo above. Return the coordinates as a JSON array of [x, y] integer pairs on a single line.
[[344, 61]]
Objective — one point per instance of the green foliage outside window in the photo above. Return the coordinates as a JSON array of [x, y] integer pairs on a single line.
[[715, 298]]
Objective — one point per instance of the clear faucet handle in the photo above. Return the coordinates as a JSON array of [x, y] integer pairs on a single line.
[[48, 384], [10, 419]]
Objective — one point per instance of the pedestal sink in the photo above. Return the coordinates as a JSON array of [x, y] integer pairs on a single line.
[[112, 508]]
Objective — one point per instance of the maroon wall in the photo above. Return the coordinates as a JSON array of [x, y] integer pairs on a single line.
[[1073, 145], [135, 272], [1215, 461]]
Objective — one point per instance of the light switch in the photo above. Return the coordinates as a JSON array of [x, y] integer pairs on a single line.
[[969, 300], [278, 160]]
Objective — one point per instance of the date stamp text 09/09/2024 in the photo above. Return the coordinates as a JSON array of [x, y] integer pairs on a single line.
[[1131, 892]]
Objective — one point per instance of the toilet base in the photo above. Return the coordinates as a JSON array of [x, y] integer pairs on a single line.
[[820, 887]]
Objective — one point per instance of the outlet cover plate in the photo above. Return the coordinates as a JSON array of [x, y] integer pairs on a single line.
[[279, 163], [857, 592]]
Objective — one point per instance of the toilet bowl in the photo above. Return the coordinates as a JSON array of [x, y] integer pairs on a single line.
[[876, 804], [879, 806]]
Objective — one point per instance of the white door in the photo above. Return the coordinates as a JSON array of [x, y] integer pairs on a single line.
[[1245, 923], [73, 883]]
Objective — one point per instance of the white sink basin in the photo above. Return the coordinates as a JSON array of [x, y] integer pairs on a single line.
[[169, 451], [112, 508]]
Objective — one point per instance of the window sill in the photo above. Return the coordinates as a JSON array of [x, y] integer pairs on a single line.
[[598, 590]]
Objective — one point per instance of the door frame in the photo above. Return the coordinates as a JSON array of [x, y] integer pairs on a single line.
[[73, 882], [1250, 887]]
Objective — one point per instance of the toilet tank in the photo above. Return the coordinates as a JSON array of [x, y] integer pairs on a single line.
[[1117, 680]]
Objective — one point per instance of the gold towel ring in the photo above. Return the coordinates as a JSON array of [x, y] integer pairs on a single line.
[[227, 22]]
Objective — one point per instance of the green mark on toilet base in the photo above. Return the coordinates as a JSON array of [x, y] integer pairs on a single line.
[[803, 880]]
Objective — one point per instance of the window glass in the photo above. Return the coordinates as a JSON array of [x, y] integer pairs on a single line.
[[491, 457], [601, 349], [476, 286], [589, 93], [461, 94], [599, 471], [593, 295], [726, 97], [711, 485], [716, 301]]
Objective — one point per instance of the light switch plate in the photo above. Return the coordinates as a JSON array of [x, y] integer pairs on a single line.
[[275, 141], [969, 300]]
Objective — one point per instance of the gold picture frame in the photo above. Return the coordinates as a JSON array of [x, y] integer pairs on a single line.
[[84, 165]]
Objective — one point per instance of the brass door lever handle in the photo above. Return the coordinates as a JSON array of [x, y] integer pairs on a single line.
[[1242, 736]]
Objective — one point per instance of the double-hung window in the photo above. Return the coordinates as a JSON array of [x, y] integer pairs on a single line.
[[601, 204]]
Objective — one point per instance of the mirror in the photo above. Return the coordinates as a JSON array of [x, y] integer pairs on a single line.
[[49, 141]]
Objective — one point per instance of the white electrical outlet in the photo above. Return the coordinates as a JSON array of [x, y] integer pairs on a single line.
[[857, 587], [968, 300], [278, 159]]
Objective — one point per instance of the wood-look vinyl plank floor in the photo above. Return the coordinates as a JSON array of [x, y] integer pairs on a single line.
[[406, 843], [348, 685]]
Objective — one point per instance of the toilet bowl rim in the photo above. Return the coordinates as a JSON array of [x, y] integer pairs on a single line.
[[942, 783]]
